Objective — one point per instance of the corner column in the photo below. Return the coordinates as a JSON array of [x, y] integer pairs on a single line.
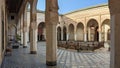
[[115, 41], [0, 37], [115, 34], [51, 20]]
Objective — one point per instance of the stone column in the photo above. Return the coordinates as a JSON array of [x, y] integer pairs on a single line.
[[51, 20], [21, 36], [105, 36], [33, 38], [62, 33], [115, 41], [51, 46], [115, 33], [67, 33], [100, 34], [100, 30], [75, 34], [21, 29], [25, 37], [0, 36], [85, 34], [25, 29], [89, 34], [33, 27]]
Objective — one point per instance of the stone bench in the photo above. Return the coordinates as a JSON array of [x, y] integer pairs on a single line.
[[8, 51]]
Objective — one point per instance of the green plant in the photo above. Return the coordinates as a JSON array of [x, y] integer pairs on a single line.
[[18, 37]]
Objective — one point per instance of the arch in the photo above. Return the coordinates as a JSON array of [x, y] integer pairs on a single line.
[[106, 21], [27, 6], [80, 31], [64, 33], [92, 30], [41, 32], [59, 33], [106, 30], [71, 32]]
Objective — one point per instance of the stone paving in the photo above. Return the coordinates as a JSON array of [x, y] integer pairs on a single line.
[[66, 59]]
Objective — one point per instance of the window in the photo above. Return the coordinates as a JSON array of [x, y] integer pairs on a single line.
[[12, 17]]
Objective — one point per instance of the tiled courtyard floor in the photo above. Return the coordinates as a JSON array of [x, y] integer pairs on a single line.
[[66, 59]]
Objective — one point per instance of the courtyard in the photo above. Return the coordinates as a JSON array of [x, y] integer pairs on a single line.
[[21, 58]]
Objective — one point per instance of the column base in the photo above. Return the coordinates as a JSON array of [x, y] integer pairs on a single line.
[[24, 46], [48, 63], [33, 52]]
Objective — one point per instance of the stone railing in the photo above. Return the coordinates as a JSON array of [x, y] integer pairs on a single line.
[[77, 45]]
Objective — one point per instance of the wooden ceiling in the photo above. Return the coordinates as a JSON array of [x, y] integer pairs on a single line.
[[13, 6]]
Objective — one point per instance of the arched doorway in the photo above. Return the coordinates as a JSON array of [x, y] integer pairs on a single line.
[[59, 33], [80, 32], [106, 30], [108, 34], [2, 30], [92, 30], [71, 32], [64, 33], [41, 31]]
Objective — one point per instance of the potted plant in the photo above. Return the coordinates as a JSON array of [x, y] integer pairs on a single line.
[[18, 38], [16, 42]]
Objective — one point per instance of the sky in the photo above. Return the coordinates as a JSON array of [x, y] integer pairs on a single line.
[[66, 6]]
